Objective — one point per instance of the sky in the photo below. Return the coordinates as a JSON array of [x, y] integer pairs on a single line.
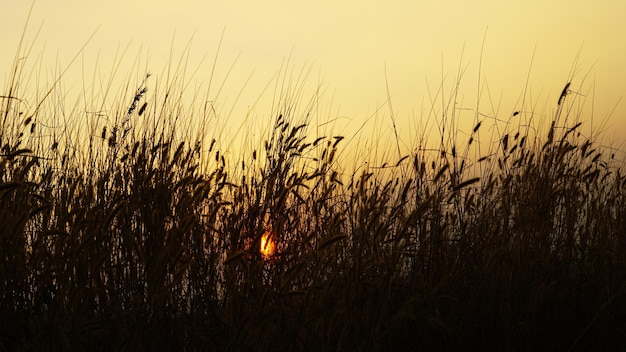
[[370, 64]]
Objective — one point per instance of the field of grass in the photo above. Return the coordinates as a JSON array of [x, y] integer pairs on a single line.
[[131, 233]]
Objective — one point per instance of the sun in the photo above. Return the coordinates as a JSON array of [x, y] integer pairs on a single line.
[[268, 245]]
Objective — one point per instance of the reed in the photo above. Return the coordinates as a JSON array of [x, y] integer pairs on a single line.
[[140, 237]]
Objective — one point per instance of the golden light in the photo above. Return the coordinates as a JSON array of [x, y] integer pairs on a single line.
[[268, 245]]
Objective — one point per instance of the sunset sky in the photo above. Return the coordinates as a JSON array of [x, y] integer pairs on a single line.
[[353, 51]]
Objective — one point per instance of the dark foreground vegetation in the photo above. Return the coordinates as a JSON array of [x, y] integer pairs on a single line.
[[139, 239]]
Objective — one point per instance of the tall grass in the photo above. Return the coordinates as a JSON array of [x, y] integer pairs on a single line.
[[136, 236]]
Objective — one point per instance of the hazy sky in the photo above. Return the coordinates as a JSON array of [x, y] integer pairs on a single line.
[[350, 47]]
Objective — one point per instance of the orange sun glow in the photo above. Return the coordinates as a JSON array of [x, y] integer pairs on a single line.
[[268, 245]]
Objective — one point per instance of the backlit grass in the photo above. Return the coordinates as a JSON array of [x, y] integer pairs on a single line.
[[133, 233]]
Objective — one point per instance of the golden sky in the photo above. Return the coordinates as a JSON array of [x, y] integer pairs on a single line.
[[353, 50]]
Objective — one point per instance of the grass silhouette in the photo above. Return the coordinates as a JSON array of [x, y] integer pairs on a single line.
[[138, 235]]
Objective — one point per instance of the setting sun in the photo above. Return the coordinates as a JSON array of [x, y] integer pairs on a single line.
[[268, 245]]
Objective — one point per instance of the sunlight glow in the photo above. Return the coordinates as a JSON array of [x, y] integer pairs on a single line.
[[268, 245]]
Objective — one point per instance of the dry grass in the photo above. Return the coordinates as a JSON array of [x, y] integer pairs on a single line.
[[140, 238]]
